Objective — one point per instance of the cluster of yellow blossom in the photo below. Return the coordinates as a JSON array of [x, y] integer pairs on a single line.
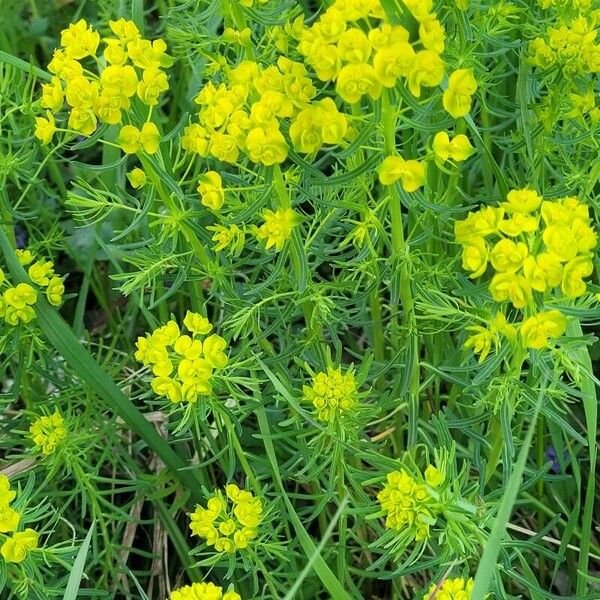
[[332, 393], [245, 115], [571, 46], [203, 591], [451, 589], [182, 364], [407, 502], [16, 302], [48, 431], [130, 66], [229, 522], [458, 96], [338, 49], [538, 245], [14, 549]]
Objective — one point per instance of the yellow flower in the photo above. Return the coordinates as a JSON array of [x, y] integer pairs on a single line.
[[52, 95], [508, 256], [332, 393], [411, 173], [20, 296], [560, 241], [154, 83], [55, 291], [6, 494], [41, 271], [15, 548], [24, 256], [79, 40], [393, 61], [211, 191], [196, 323], [203, 591], [432, 35], [9, 518], [165, 386], [481, 223], [475, 256], [277, 227], [458, 149], [114, 52], [461, 87], [519, 223], [64, 66], [538, 330], [125, 30], [137, 178], [213, 351], [231, 236], [421, 10], [408, 506], [45, 128], [543, 271], [47, 432], [509, 286], [427, 70], [149, 55], [120, 81], [81, 92], [195, 138], [433, 476], [355, 80], [451, 589], [574, 271], [354, 46], [522, 201], [108, 108], [83, 119], [132, 140], [266, 146]]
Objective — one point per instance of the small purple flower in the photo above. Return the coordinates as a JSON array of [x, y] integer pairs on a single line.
[[552, 457]]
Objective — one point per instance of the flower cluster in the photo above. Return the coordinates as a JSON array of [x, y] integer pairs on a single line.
[[332, 393], [458, 96], [338, 49], [245, 113], [451, 589], [48, 432], [182, 364], [537, 246], [408, 503], [230, 521], [16, 302], [14, 549], [130, 66], [203, 591], [570, 46]]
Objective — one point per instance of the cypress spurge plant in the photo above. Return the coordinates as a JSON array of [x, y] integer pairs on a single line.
[[298, 300]]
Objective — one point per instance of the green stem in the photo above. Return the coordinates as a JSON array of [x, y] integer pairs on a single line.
[[400, 252]]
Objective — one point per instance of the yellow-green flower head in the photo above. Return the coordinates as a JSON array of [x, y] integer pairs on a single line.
[[277, 227], [508, 256], [15, 548], [45, 128], [210, 188], [183, 365], [203, 591], [411, 173], [481, 223], [407, 503], [137, 178], [485, 339], [230, 521], [17, 304], [41, 271], [522, 201], [132, 140], [356, 80], [7, 495], [432, 35], [539, 330], [475, 256], [511, 287], [52, 95], [79, 40], [332, 393], [457, 98], [9, 518], [457, 149], [48, 432], [427, 71], [231, 237], [451, 589], [24, 256]]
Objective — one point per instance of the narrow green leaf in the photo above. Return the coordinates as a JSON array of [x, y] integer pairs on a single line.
[[76, 574]]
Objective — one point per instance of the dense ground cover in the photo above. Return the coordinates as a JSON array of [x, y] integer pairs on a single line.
[[299, 299]]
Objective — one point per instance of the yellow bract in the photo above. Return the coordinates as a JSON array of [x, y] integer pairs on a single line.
[[277, 227], [411, 173], [332, 393], [457, 98], [15, 548], [458, 149], [451, 589], [48, 431], [211, 191]]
